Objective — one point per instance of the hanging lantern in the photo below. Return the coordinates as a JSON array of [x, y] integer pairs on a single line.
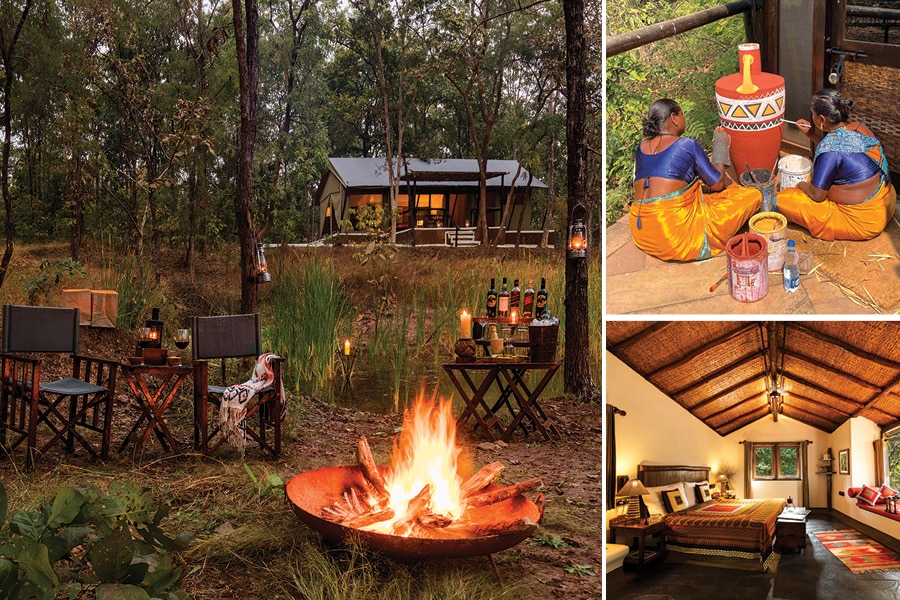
[[577, 239], [155, 326], [262, 268]]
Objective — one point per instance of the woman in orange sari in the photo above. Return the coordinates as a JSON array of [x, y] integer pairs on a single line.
[[850, 196], [671, 216]]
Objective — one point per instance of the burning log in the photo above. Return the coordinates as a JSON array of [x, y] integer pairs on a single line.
[[370, 469], [414, 508], [369, 518], [494, 527], [477, 482], [501, 494]]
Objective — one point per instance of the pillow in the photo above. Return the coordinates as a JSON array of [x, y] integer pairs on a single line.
[[688, 493], [887, 491], [853, 492], [703, 493], [869, 495], [653, 501], [674, 500]]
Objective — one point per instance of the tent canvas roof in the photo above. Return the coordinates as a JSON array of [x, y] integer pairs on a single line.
[[458, 172]]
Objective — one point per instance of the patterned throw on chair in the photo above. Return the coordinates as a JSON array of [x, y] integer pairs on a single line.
[[857, 552], [233, 411]]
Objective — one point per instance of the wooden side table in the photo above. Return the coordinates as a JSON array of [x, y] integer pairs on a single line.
[[643, 555], [790, 530]]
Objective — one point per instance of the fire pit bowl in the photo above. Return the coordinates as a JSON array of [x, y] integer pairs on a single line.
[[312, 490]]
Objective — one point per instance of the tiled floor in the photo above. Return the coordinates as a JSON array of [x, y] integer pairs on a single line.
[[814, 574]]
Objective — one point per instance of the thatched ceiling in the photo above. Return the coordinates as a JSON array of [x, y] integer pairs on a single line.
[[722, 371]]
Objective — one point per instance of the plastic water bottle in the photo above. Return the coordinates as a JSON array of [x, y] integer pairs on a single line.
[[791, 268]]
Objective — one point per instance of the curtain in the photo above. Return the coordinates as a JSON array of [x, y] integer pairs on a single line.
[[804, 456], [879, 462], [748, 469], [611, 456]]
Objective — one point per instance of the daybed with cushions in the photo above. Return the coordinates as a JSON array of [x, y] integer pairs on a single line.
[[737, 528], [615, 556], [872, 499]]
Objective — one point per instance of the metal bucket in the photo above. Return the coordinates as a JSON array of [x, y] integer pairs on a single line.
[[748, 276], [794, 169], [773, 227], [762, 183]]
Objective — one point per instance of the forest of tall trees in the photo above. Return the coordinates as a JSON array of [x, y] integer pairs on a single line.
[[124, 120]]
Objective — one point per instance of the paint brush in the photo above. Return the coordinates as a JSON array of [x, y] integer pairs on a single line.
[[789, 121], [750, 172], [713, 287]]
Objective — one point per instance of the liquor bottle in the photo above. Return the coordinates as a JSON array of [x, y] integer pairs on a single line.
[[528, 301], [515, 296], [492, 301], [503, 301], [540, 301]]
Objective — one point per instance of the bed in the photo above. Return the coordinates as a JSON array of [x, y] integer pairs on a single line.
[[734, 528]]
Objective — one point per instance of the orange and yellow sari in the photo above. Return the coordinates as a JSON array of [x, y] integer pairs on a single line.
[[690, 225], [828, 220]]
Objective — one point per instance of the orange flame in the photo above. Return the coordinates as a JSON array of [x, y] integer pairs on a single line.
[[425, 453]]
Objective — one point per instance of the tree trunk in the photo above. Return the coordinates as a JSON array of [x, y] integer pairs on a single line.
[[576, 371], [500, 238], [6, 61], [247, 51]]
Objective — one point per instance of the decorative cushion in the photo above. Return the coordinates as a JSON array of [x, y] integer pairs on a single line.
[[887, 491], [674, 500], [869, 495], [853, 492], [653, 501], [703, 493]]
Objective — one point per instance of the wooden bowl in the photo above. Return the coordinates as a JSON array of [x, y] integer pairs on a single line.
[[173, 361]]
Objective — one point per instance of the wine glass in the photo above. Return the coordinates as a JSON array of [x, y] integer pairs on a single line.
[[143, 337], [483, 321], [182, 338]]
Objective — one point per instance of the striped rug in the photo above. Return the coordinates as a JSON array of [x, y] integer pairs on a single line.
[[857, 552]]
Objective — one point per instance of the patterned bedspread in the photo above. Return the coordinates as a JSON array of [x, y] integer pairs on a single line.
[[736, 528]]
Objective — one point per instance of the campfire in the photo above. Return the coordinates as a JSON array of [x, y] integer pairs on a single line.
[[419, 505]]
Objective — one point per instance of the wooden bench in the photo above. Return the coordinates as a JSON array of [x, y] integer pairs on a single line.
[[461, 237]]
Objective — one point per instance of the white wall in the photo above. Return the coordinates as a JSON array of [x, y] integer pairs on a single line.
[[657, 429]]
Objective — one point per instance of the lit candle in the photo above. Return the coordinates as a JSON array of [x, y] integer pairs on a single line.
[[347, 347], [514, 318], [465, 325]]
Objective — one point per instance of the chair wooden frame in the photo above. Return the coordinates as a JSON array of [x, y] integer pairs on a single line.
[[67, 406], [233, 336]]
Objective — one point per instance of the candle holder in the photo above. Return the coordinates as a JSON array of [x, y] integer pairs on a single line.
[[347, 360], [465, 350]]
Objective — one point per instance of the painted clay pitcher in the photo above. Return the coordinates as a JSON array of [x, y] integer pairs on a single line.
[[751, 109]]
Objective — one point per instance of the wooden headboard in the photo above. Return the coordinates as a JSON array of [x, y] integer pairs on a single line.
[[656, 475]]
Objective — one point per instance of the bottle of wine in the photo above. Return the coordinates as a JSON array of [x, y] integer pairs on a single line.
[[491, 301], [515, 296], [528, 301], [540, 301], [503, 301]]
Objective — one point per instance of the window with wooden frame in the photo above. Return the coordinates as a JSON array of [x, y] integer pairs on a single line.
[[777, 461]]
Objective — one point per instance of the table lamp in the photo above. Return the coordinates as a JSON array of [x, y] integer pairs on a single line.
[[633, 490], [723, 483]]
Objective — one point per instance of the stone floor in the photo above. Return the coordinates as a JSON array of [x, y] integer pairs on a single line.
[[814, 574], [637, 283]]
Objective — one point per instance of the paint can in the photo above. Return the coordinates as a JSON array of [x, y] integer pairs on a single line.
[[763, 184], [748, 277], [794, 169], [773, 227]]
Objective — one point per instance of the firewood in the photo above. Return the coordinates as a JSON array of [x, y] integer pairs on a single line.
[[414, 508], [335, 513], [369, 468], [369, 518], [501, 494], [484, 476], [494, 527], [431, 519]]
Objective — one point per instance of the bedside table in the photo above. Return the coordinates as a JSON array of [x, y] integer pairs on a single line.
[[644, 555], [790, 530]]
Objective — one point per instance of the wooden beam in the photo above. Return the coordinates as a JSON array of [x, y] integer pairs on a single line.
[[718, 373], [809, 418], [852, 378], [823, 390], [822, 337], [752, 416], [724, 392], [640, 336], [822, 404], [888, 389]]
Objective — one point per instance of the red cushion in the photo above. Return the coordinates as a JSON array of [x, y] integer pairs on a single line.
[[853, 492], [887, 491], [869, 495]]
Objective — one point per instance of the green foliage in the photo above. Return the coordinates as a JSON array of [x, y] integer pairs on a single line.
[[84, 538], [684, 68], [309, 306], [581, 570], [133, 281], [552, 540], [39, 287], [272, 486]]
